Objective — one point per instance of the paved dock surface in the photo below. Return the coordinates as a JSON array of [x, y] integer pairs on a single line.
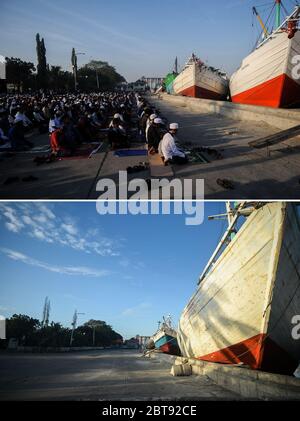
[[65, 179], [99, 375], [268, 173]]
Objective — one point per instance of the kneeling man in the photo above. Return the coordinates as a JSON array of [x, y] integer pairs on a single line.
[[168, 148]]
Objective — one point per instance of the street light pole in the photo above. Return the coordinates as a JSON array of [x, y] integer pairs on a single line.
[[74, 64], [97, 77], [74, 323], [93, 326], [96, 71]]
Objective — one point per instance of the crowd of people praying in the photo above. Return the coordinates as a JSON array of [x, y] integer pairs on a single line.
[[76, 118]]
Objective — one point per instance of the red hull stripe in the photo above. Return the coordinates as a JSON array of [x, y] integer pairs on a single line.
[[258, 352], [247, 352], [196, 92], [169, 349], [280, 92]]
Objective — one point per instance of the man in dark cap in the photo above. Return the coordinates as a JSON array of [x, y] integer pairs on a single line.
[[156, 132]]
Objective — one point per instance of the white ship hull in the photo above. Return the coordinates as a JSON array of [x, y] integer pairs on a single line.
[[201, 82], [267, 76], [242, 311]]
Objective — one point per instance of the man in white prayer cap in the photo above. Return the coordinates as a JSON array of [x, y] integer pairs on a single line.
[[149, 122], [168, 148], [116, 116]]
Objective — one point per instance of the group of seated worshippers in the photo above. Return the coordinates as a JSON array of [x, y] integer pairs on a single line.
[[159, 138], [117, 135], [13, 130], [85, 121], [75, 118], [70, 119]]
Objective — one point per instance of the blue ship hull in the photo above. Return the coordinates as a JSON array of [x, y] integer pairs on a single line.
[[167, 344]]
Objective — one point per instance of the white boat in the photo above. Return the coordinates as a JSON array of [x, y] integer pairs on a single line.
[[249, 292], [165, 338], [268, 76], [198, 80]]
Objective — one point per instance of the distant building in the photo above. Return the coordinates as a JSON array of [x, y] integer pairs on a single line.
[[143, 340], [138, 86], [132, 343]]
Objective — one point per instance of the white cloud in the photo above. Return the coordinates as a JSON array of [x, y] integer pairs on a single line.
[[6, 309], [64, 270], [39, 221], [107, 31], [45, 211], [12, 227], [39, 234], [27, 220], [13, 222], [133, 311], [70, 229], [42, 219]]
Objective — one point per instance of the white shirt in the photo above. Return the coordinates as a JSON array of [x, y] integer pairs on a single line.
[[2, 135], [38, 116], [168, 147], [54, 124], [21, 116], [121, 128], [149, 122]]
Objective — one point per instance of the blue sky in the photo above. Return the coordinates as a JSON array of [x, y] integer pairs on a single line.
[[138, 37], [126, 270]]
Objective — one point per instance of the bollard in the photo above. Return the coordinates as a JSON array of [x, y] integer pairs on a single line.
[[181, 370]]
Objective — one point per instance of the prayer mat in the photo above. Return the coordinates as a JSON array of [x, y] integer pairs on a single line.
[[130, 152]]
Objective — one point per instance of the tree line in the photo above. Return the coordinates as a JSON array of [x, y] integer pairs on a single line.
[[31, 332], [26, 77]]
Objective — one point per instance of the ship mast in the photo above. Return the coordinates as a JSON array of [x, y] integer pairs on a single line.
[[261, 22], [176, 66], [229, 212], [294, 16], [277, 17], [278, 14]]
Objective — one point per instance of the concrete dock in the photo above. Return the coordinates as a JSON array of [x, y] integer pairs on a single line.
[[269, 173], [100, 375], [240, 379], [65, 179], [128, 375]]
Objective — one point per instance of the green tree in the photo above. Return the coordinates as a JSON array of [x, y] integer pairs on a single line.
[[20, 73], [104, 334], [23, 328], [29, 332], [60, 80], [42, 62], [54, 335], [107, 76], [74, 67]]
